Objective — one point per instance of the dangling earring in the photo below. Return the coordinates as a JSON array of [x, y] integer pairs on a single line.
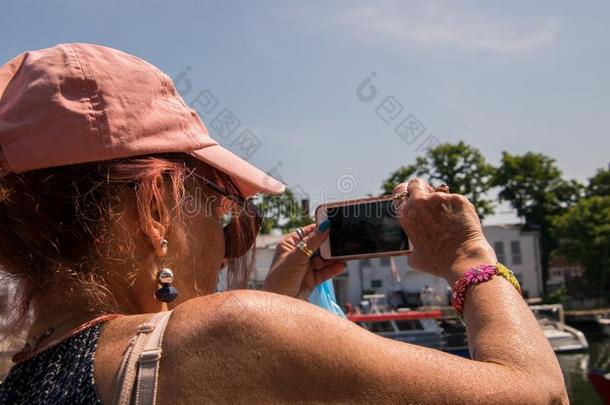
[[165, 276]]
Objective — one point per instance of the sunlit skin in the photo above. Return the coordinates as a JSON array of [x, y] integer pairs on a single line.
[[261, 347]]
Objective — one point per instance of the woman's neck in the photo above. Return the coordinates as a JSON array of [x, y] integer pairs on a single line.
[[63, 314], [58, 316]]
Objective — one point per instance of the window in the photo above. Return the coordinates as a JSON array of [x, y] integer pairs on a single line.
[[499, 248], [515, 250], [376, 283], [365, 263], [384, 261]]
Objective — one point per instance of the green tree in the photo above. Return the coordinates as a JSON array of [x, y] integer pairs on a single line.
[[462, 167], [401, 175], [559, 296], [584, 237], [534, 186], [283, 212], [600, 183]]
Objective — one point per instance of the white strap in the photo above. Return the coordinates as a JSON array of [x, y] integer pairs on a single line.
[[138, 344], [149, 359]]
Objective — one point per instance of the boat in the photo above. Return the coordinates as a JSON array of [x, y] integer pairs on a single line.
[[417, 327], [599, 374], [601, 382], [563, 338], [604, 324], [424, 327]]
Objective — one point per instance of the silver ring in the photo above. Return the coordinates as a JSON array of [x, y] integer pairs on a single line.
[[300, 232]]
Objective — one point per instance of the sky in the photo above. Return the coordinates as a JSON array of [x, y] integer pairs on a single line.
[[332, 96]]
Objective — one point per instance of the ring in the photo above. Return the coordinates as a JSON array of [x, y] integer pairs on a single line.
[[401, 196], [443, 188], [302, 246], [300, 232]]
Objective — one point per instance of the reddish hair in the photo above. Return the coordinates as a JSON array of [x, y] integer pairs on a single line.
[[56, 222]]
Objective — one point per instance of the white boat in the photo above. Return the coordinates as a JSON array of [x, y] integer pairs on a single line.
[[563, 338], [417, 327]]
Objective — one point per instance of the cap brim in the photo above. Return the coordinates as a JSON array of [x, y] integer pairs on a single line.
[[249, 179]]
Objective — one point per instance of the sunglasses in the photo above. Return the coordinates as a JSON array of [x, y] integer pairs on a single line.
[[239, 235]]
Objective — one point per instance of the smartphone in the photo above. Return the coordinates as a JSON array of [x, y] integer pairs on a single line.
[[362, 228]]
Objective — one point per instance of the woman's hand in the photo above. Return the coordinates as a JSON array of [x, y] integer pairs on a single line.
[[295, 274], [444, 229]]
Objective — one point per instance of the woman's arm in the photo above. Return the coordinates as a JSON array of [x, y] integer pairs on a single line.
[[266, 348], [262, 347]]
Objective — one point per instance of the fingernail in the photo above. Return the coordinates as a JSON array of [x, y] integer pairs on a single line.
[[324, 226]]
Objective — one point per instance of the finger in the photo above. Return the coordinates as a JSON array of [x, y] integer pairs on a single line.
[[329, 272], [401, 188], [294, 238], [322, 264], [319, 263], [317, 236], [417, 187]]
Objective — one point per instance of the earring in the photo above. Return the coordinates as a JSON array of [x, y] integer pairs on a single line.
[[165, 276]]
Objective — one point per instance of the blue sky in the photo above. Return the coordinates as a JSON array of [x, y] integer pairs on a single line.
[[512, 76]]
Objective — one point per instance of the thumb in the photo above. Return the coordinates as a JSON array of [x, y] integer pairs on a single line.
[[318, 235]]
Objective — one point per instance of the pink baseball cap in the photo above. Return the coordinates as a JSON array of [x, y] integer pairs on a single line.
[[78, 103]]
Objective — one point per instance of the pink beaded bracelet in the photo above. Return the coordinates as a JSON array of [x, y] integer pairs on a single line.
[[479, 274]]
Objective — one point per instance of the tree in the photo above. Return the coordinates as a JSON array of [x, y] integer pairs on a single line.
[[584, 237], [600, 183], [283, 212], [462, 167], [401, 175], [534, 186]]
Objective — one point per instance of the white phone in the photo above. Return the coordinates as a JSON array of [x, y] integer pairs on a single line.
[[363, 228]]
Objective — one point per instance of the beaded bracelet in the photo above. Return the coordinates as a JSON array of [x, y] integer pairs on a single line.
[[479, 274]]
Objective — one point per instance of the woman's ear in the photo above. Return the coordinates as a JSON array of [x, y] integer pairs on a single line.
[[154, 218]]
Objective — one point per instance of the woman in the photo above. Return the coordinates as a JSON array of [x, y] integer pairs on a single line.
[[111, 184]]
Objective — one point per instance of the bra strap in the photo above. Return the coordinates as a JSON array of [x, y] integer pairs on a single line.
[[149, 359], [141, 359]]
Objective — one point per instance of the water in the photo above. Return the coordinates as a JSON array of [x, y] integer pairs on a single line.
[[574, 367]]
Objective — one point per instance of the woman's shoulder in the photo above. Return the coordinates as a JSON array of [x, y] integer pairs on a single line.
[[239, 345], [232, 345], [228, 312]]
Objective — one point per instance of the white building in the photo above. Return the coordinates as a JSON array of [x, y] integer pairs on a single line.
[[519, 251]]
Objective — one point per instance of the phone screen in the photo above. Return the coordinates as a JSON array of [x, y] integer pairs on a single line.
[[365, 228]]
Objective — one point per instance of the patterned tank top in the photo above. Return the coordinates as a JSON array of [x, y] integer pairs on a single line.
[[62, 374]]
